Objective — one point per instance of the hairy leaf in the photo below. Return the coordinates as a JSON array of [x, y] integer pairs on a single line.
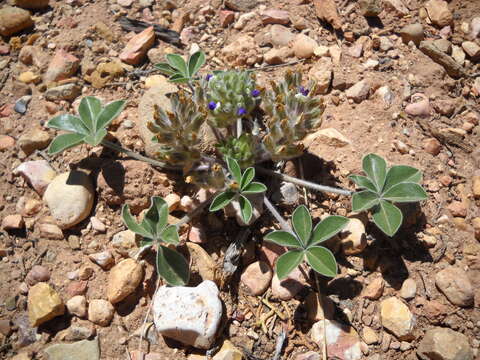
[[327, 228], [287, 262], [405, 192], [178, 78], [254, 188], [322, 261], [172, 266], [177, 62], [364, 200], [222, 200], [247, 178], [109, 112], [376, 169], [245, 208], [234, 169], [170, 235], [95, 138], [88, 110], [302, 223], [363, 182], [133, 225], [195, 62], [387, 217], [68, 122], [166, 69], [401, 173], [283, 238], [65, 141], [156, 217]]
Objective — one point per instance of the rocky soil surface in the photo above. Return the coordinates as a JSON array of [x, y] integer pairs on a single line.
[[400, 78]]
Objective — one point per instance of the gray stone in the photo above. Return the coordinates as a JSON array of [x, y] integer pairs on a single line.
[[359, 91], [241, 5], [22, 104], [68, 92], [81, 350], [444, 344], [190, 315]]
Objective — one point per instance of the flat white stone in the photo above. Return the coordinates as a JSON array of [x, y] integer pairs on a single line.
[[190, 315]]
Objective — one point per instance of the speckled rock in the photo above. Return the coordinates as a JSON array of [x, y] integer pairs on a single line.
[[44, 304], [190, 315], [444, 344]]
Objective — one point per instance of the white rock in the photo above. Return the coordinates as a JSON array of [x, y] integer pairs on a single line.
[[70, 198], [353, 237], [409, 289], [190, 315], [77, 306]]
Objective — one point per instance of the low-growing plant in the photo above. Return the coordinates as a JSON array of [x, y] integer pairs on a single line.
[[383, 187], [252, 125], [305, 243]]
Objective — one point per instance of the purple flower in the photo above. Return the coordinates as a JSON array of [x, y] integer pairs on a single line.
[[208, 77], [303, 91], [255, 93], [241, 111], [212, 105]]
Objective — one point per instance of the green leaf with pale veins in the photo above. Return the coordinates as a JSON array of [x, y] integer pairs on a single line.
[[254, 188], [166, 69], [246, 208], [287, 262], [132, 225], [177, 62], [172, 266], [364, 200], [405, 192], [234, 169], [170, 235], [376, 169], [363, 182], [65, 141], [387, 217], [402, 173], [283, 238], [302, 223], [195, 62], [96, 138], [68, 122], [247, 177], [327, 228], [322, 261], [109, 113], [222, 200], [88, 110]]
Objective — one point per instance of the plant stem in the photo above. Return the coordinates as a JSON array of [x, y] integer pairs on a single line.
[[137, 156], [239, 127], [305, 183], [283, 224], [320, 303], [217, 134]]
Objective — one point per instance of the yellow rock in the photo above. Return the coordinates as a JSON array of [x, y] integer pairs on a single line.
[[43, 304], [28, 77], [228, 352]]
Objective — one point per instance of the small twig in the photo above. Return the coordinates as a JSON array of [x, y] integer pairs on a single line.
[[274, 308], [146, 318], [137, 156], [279, 344], [305, 183], [271, 67]]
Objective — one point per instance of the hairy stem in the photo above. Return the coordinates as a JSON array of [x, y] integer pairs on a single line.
[[137, 156], [320, 303], [283, 223], [305, 183]]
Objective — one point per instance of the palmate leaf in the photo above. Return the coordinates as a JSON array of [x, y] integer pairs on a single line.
[[283, 238], [172, 266], [170, 235], [156, 217], [387, 217], [327, 228], [376, 169], [405, 192], [287, 262], [64, 141], [246, 209], [401, 173], [364, 200], [95, 138], [302, 223], [322, 261]]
